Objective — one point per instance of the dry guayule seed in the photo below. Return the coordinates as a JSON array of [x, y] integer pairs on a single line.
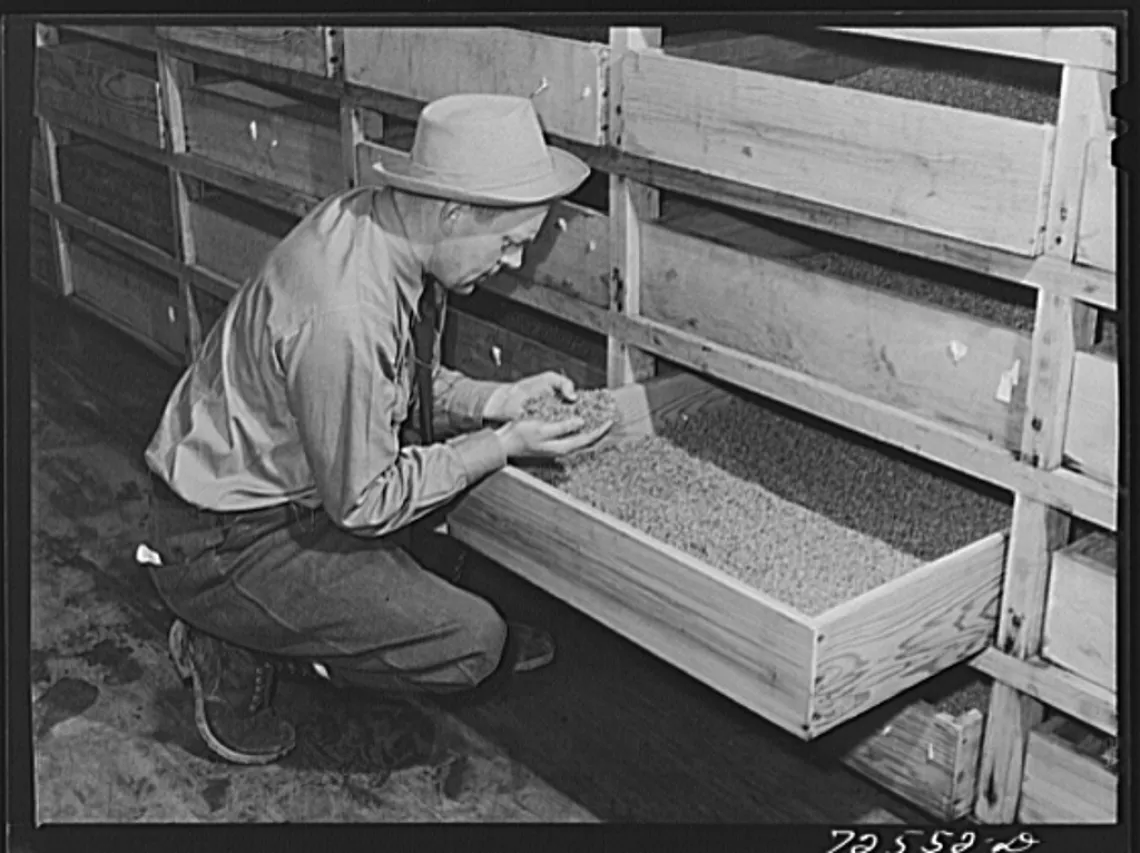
[[974, 696], [596, 407], [950, 89], [812, 519], [943, 295]]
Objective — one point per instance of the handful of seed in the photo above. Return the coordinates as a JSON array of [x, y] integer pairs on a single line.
[[595, 408]]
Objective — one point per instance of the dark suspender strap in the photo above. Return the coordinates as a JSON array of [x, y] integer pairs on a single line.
[[424, 339]]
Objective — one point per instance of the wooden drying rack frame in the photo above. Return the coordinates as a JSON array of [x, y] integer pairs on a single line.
[[603, 102]]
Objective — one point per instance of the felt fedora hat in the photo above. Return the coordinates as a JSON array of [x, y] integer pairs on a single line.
[[483, 149]]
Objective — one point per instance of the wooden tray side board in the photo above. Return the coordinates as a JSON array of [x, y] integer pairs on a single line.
[[805, 674], [101, 86], [566, 77], [1080, 616], [264, 135], [899, 634], [916, 751], [296, 48], [949, 171], [1063, 786]]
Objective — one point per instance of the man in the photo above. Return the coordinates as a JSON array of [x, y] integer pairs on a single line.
[[284, 436]]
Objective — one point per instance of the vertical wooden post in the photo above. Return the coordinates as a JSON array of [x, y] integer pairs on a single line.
[[50, 140], [629, 203], [175, 76], [1038, 529], [334, 52], [351, 135]]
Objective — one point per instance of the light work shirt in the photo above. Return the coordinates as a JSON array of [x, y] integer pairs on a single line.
[[300, 390]]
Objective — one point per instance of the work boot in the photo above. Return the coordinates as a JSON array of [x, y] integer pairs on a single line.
[[233, 690], [536, 647]]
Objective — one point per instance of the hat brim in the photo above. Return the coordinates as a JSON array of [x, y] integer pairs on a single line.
[[568, 174]]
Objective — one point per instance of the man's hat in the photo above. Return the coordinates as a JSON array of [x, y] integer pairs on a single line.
[[483, 149]]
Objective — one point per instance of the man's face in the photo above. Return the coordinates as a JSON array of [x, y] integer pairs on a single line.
[[472, 249]]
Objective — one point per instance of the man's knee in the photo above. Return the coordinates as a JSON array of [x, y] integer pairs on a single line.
[[485, 639]]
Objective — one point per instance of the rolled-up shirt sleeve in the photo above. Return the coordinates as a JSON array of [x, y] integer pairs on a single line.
[[458, 401], [341, 386]]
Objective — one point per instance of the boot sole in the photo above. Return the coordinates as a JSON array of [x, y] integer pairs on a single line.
[[189, 672]]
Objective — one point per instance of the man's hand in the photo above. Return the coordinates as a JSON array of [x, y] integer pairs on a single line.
[[542, 440], [507, 402]]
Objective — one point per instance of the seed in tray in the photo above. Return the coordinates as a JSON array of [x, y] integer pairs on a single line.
[[802, 514], [596, 407]]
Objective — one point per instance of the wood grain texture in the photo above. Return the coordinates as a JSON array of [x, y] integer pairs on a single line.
[[41, 178], [102, 86], [470, 341], [954, 172], [666, 600], [234, 236], [745, 645], [1096, 234], [131, 194], [121, 241], [863, 339], [1092, 47], [142, 37], [1092, 436], [948, 445], [1079, 120], [887, 640], [1044, 272], [429, 63], [629, 205], [52, 137], [296, 48], [1040, 680], [145, 301], [1063, 786], [1080, 619], [916, 751], [42, 250], [266, 135]]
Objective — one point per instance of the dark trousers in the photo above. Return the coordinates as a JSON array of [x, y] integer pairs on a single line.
[[287, 581]]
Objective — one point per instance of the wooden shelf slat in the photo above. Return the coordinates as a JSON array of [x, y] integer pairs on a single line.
[[105, 137], [1052, 685], [117, 239], [1096, 287], [248, 68]]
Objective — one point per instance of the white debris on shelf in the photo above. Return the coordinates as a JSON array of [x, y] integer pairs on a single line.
[[593, 244], [561, 224], [497, 355], [253, 130], [147, 556], [1009, 379], [170, 313], [541, 87], [958, 351], [587, 92]]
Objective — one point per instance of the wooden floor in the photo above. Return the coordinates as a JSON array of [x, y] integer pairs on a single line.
[[608, 733]]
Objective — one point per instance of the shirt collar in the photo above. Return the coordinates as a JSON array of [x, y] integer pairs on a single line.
[[408, 270]]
